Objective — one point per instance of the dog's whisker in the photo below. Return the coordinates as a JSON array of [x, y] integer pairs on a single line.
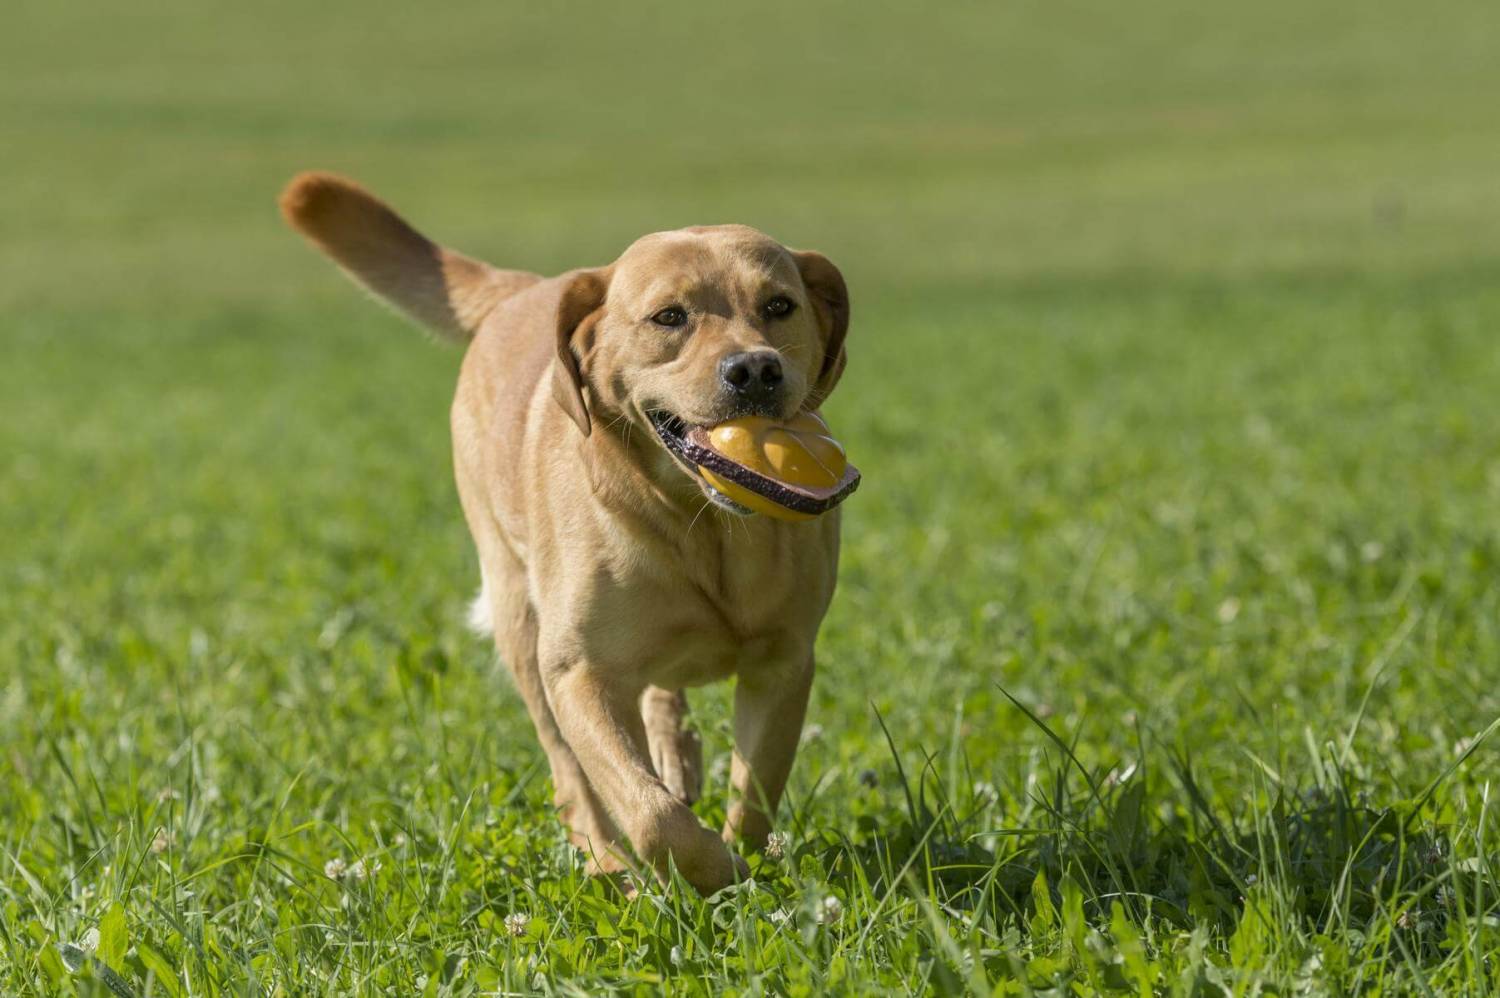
[[732, 521], [706, 503]]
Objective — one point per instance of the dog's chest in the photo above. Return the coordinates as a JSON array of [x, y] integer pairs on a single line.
[[743, 603]]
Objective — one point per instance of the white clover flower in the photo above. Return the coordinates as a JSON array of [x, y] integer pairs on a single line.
[[1229, 610], [829, 910], [335, 868], [90, 941], [161, 842], [676, 955], [517, 922], [777, 844]]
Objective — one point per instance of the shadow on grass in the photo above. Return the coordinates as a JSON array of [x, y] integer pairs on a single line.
[[1314, 865]]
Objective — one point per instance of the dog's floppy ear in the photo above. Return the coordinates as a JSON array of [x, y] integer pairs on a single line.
[[581, 306], [830, 298]]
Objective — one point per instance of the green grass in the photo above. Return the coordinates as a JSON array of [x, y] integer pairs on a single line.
[[1169, 620]]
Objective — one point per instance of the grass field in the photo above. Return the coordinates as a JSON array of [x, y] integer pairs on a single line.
[[1169, 624]]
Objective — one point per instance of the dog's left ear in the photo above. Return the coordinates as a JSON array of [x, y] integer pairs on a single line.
[[581, 306], [830, 299]]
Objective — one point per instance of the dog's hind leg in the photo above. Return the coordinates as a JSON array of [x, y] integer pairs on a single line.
[[676, 751]]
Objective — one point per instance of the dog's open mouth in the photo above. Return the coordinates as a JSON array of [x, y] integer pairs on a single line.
[[690, 444], [674, 434]]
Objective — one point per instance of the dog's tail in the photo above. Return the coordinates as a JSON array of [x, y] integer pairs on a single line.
[[440, 289]]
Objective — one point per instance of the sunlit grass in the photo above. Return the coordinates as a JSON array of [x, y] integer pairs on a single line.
[[1166, 651]]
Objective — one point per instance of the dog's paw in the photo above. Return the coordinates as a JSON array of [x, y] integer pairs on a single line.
[[607, 864], [590, 829], [709, 866]]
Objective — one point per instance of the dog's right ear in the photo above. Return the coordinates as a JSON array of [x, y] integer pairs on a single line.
[[581, 306]]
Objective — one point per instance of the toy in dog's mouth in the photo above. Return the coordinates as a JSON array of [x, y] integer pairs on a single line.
[[791, 471]]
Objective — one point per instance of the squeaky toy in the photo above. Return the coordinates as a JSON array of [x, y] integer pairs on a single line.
[[790, 471]]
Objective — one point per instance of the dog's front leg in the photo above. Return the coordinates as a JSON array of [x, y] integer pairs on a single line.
[[601, 720], [769, 705]]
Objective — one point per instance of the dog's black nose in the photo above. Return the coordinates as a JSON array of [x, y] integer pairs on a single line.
[[755, 376]]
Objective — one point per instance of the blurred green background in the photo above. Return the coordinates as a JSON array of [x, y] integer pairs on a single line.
[[957, 143], [1172, 377]]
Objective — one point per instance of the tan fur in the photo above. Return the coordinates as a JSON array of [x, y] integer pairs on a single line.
[[611, 583], [445, 291]]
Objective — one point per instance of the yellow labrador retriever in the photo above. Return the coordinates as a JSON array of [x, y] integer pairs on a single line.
[[607, 588]]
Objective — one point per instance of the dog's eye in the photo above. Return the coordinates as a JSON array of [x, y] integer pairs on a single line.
[[779, 307], [671, 316]]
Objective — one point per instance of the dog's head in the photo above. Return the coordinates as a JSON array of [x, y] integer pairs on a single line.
[[697, 326]]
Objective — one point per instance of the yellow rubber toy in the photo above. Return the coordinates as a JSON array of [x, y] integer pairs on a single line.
[[801, 453]]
